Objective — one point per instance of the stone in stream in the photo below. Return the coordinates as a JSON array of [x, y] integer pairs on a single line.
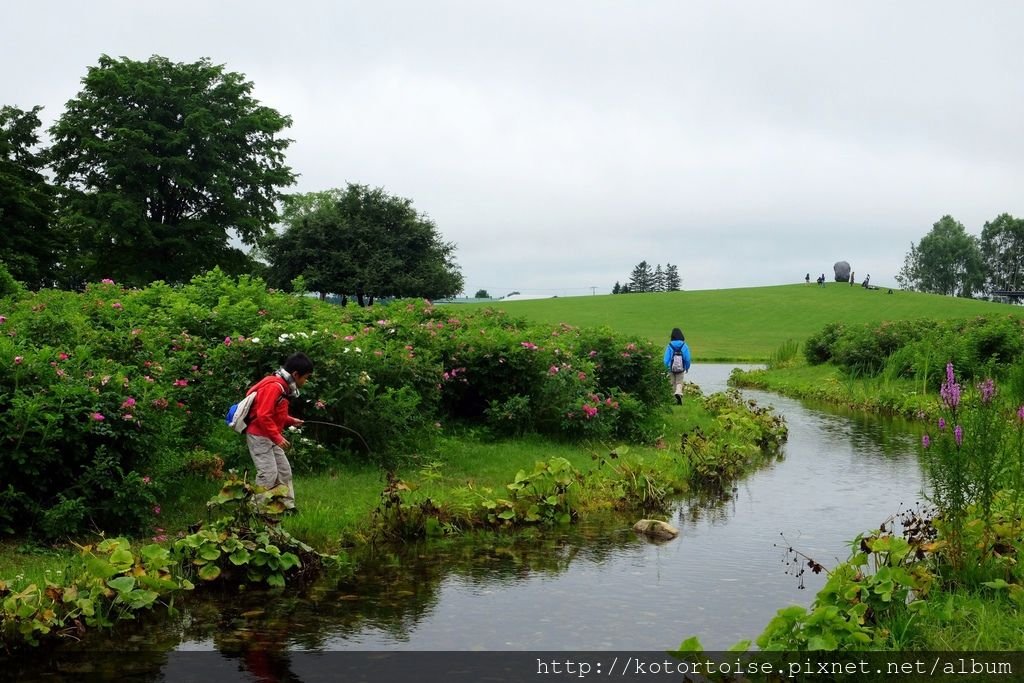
[[656, 529]]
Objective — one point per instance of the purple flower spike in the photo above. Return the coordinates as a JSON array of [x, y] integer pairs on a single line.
[[988, 390], [950, 391], [958, 434], [1020, 413], [926, 441], [942, 423]]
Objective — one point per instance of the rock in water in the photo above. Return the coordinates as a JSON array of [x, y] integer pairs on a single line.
[[656, 529], [842, 269]]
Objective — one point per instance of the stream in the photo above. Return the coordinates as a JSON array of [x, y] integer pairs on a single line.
[[595, 585]]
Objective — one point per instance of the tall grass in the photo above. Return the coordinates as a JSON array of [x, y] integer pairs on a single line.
[[784, 356]]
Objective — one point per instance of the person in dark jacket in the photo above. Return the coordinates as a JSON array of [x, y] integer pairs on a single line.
[[264, 435], [677, 362]]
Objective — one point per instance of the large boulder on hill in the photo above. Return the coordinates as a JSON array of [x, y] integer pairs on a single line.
[[842, 269]]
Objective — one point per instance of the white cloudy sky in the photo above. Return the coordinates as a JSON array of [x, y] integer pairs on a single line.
[[559, 143]]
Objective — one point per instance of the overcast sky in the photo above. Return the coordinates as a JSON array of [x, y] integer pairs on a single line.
[[560, 143]]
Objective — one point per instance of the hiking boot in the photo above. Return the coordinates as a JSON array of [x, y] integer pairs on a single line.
[[679, 399]]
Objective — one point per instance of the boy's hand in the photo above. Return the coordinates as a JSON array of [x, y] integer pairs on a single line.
[[298, 422], [285, 444]]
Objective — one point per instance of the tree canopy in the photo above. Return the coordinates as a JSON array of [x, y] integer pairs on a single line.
[[162, 163], [1002, 248], [363, 242], [946, 261], [27, 246]]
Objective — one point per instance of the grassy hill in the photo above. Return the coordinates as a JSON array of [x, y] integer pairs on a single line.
[[749, 323]]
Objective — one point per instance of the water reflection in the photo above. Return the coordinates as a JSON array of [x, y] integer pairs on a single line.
[[596, 586]]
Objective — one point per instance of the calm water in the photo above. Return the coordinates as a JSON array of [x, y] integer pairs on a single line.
[[596, 586], [600, 587]]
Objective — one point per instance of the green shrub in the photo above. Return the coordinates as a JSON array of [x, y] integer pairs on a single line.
[[108, 396], [819, 348]]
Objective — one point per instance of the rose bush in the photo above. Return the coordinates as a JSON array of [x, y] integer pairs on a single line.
[[106, 396]]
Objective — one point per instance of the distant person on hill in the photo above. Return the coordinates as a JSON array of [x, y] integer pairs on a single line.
[[677, 361], [821, 280], [807, 278], [853, 277], [867, 282]]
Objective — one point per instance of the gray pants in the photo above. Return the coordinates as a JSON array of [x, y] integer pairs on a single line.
[[678, 379], [272, 466]]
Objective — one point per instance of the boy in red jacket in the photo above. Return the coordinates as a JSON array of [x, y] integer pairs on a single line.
[[269, 418]]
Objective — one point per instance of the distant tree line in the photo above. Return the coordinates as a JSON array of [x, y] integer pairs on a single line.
[[160, 171], [643, 279], [949, 260]]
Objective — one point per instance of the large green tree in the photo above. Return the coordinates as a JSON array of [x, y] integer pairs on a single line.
[[27, 246], [365, 243], [1002, 247], [163, 164], [946, 261]]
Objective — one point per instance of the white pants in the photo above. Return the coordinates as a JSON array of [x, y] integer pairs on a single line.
[[678, 379], [272, 466]]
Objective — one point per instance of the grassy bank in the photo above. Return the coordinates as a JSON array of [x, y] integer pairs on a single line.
[[746, 324], [339, 507]]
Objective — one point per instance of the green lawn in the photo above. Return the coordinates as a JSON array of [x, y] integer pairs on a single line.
[[747, 324]]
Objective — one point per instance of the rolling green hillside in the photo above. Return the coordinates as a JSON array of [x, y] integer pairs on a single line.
[[750, 323]]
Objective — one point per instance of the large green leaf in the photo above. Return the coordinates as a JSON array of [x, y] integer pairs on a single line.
[[209, 572], [122, 584]]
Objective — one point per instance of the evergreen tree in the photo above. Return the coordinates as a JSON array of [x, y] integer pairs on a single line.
[[672, 281], [642, 278], [616, 289], [658, 280]]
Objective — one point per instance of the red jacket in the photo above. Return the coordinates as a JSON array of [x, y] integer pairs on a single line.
[[269, 413]]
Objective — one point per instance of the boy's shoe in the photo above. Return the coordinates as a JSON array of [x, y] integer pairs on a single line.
[[679, 399]]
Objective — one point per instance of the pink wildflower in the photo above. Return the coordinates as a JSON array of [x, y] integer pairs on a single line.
[[350, 337], [136, 331], [146, 480], [99, 417], [63, 356], [117, 305], [1020, 413], [3, 319], [553, 370], [262, 311], [227, 341], [581, 376], [128, 417], [592, 353], [156, 509], [320, 405], [926, 441], [18, 360], [958, 434], [106, 281], [180, 383], [942, 423]]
